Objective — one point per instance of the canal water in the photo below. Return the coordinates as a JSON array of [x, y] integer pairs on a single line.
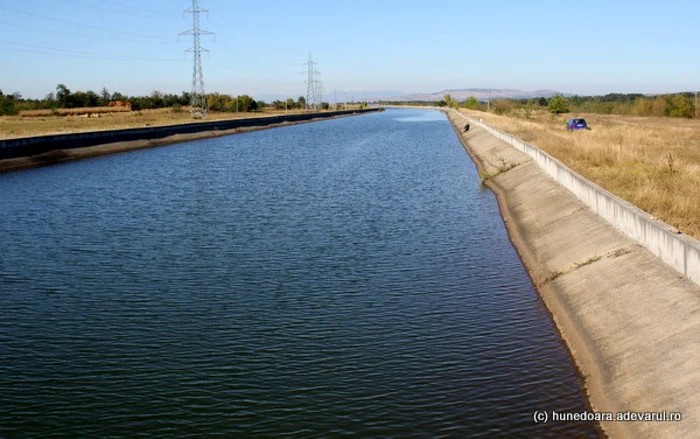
[[346, 278]]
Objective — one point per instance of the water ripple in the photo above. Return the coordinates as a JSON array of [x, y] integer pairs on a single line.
[[349, 278]]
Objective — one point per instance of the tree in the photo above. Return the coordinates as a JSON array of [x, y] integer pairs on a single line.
[[63, 96], [301, 102], [246, 103], [185, 98], [7, 104], [91, 99], [471, 103], [218, 102], [558, 104], [681, 106], [659, 107], [50, 101], [116, 96], [104, 97], [542, 101], [157, 98], [450, 101], [644, 107], [171, 99]]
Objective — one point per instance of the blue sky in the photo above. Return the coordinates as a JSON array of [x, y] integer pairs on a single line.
[[131, 46]]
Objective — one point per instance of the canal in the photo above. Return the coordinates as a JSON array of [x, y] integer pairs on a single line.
[[345, 278]]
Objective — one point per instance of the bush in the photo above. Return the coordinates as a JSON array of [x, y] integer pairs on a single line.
[[471, 103], [8, 105], [502, 106], [176, 108], [558, 104], [681, 106]]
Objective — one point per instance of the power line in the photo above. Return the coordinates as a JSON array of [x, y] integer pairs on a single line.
[[68, 55], [44, 17], [136, 8], [97, 37], [198, 100], [92, 55], [8, 49], [151, 17]]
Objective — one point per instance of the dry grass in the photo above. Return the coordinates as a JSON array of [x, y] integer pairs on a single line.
[[73, 111], [17, 126], [653, 163]]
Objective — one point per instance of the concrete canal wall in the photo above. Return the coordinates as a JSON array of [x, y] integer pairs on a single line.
[[677, 250], [36, 151], [630, 320]]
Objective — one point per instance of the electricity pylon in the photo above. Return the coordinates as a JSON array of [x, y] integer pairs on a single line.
[[198, 100], [311, 83]]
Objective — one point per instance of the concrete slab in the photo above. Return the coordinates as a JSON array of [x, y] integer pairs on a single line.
[[630, 321]]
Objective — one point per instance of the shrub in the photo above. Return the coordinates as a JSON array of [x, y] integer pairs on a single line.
[[502, 106], [558, 104]]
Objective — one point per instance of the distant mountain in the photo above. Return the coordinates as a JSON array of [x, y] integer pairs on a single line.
[[332, 95], [479, 93], [359, 95]]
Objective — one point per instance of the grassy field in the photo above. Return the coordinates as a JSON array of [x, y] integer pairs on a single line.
[[18, 126], [73, 111], [653, 163]]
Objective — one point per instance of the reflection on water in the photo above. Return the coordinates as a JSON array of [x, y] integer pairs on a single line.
[[346, 278], [422, 116]]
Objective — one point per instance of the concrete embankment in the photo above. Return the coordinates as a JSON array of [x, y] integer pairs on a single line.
[[630, 321], [43, 150]]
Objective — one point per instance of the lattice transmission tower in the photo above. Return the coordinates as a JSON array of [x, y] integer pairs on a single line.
[[311, 83], [198, 100]]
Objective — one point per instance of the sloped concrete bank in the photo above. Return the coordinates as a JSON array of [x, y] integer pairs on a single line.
[[44, 150], [630, 321]]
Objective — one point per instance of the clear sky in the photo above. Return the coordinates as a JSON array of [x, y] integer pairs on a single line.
[[131, 46]]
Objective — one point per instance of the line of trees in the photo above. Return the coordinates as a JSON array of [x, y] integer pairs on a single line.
[[8, 103], [64, 98], [632, 104], [299, 104]]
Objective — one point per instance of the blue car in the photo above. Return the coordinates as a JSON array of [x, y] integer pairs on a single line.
[[576, 124]]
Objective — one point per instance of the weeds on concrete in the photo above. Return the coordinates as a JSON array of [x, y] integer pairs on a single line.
[[542, 277], [589, 261], [502, 166], [619, 252], [553, 276]]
